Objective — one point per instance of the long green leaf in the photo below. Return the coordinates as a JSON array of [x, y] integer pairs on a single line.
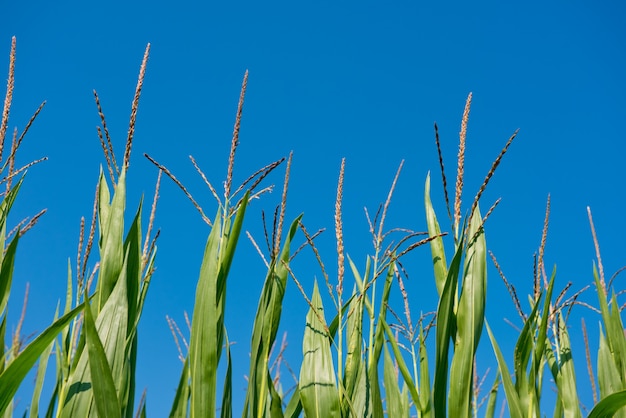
[[41, 373], [445, 331], [354, 350], [609, 379], [470, 316], [379, 341], [426, 402], [266, 323], [203, 347], [207, 327], [112, 326], [227, 393], [566, 377], [609, 406], [493, 397], [294, 407], [393, 396], [104, 391], [512, 398], [180, 406], [132, 264], [111, 219], [318, 391], [6, 272], [436, 245], [14, 374], [404, 370]]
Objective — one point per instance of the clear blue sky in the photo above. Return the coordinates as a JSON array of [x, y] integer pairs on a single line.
[[361, 80]]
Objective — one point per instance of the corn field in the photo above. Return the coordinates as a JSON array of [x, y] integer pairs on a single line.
[[361, 357]]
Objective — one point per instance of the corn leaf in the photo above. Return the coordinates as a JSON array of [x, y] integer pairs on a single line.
[[360, 404], [609, 379], [614, 328], [6, 273], [265, 327], [3, 330], [470, 317], [14, 374], [493, 397], [104, 392], [425, 399], [512, 398], [318, 390], [445, 331], [180, 405], [227, 393], [379, 340], [111, 221], [354, 351], [294, 407], [404, 370], [393, 397], [436, 245], [41, 373], [112, 328], [207, 327], [609, 406], [565, 377], [132, 264]]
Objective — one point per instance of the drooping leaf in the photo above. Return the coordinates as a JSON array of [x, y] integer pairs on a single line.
[[609, 406], [14, 374]]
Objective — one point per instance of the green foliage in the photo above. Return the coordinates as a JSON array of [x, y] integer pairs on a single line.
[[360, 364]]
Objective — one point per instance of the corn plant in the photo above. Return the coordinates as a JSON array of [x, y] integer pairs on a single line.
[[611, 368], [97, 354], [196, 395]]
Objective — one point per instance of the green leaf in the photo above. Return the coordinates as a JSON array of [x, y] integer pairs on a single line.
[[111, 218], [180, 405], [354, 350], [14, 374], [445, 331], [470, 316], [112, 326], [104, 391], [393, 397], [41, 373], [361, 402], [266, 323], [6, 272], [3, 329], [294, 407], [436, 245], [512, 398], [404, 370], [493, 397], [227, 394], [609, 406], [318, 391], [132, 264], [609, 379], [207, 327], [379, 340], [426, 404]]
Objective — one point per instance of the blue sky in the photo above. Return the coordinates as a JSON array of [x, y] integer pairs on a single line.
[[360, 80]]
